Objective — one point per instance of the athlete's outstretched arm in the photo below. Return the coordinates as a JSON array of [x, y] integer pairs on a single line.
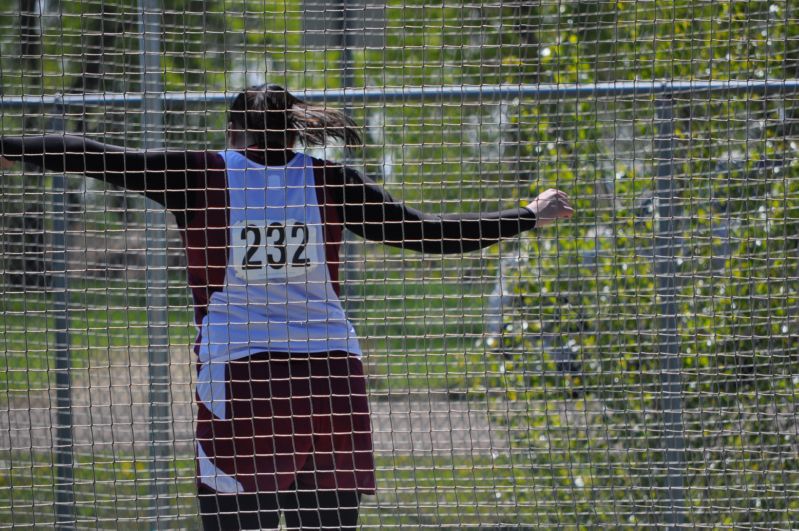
[[369, 211], [164, 176]]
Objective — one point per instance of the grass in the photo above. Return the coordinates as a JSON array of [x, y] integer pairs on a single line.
[[416, 324], [415, 327], [499, 491], [100, 319], [109, 490]]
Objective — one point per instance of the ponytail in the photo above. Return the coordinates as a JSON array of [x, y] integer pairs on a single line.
[[269, 114]]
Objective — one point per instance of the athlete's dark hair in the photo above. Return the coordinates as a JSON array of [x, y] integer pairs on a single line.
[[266, 113]]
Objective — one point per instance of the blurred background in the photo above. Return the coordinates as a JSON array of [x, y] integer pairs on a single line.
[[634, 366]]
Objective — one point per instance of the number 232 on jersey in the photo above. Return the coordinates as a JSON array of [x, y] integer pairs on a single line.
[[275, 250]]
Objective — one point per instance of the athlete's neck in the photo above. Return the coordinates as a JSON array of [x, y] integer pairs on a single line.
[[268, 157]]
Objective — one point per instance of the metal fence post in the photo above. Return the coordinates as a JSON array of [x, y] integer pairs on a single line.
[[349, 248], [156, 273], [668, 336], [64, 444]]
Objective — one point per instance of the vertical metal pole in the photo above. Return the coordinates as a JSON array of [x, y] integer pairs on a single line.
[[347, 82], [669, 348], [65, 484], [347, 70], [156, 275]]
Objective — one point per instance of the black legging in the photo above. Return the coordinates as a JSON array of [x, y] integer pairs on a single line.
[[303, 510]]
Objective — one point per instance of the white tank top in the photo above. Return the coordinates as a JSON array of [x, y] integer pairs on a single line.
[[278, 295]]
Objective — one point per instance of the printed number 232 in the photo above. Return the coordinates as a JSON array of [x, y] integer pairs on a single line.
[[279, 242]]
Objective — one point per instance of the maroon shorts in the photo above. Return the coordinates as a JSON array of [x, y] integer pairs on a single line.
[[290, 422]]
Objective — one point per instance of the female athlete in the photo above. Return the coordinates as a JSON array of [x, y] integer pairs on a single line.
[[283, 420]]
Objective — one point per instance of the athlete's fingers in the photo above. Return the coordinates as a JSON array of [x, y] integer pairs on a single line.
[[563, 202], [565, 210], [6, 164], [559, 193]]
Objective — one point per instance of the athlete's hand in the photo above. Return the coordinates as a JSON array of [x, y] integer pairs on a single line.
[[550, 206], [6, 164]]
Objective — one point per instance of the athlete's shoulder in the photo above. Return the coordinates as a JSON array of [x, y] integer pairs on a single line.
[[230, 157], [333, 173], [323, 164], [204, 164], [212, 160]]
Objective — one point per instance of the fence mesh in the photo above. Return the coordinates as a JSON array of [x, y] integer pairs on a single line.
[[635, 365]]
